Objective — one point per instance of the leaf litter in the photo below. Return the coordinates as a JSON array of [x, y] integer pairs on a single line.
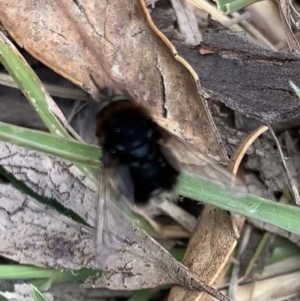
[[143, 262]]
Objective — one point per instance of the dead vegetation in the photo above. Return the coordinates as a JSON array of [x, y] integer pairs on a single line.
[[220, 81]]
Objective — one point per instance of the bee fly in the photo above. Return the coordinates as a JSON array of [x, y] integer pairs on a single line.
[[131, 139], [140, 160]]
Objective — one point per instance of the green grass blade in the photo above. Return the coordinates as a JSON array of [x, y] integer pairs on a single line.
[[37, 295], [43, 284], [283, 216], [29, 84], [69, 149], [280, 215], [27, 272], [196, 188], [231, 6], [36, 94], [258, 252], [295, 88], [74, 151], [283, 249], [13, 272]]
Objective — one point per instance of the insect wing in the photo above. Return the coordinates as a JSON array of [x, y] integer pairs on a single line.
[[112, 226], [185, 157]]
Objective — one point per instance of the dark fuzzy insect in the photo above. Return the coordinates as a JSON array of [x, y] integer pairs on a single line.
[[140, 162]]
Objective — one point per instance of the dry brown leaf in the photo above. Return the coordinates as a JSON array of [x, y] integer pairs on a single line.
[[33, 233], [215, 236], [238, 221], [276, 288], [113, 43], [237, 157], [209, 248]]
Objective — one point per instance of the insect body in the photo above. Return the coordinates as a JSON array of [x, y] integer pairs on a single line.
[[131, 139], [140, 160]]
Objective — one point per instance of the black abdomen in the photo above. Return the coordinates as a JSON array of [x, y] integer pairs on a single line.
[[131, 137], [152, 177]]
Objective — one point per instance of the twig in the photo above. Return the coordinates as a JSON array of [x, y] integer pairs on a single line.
[[236, 268], [292, 185]]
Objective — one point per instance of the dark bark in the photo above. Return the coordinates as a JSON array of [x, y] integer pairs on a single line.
[[247, 77]]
